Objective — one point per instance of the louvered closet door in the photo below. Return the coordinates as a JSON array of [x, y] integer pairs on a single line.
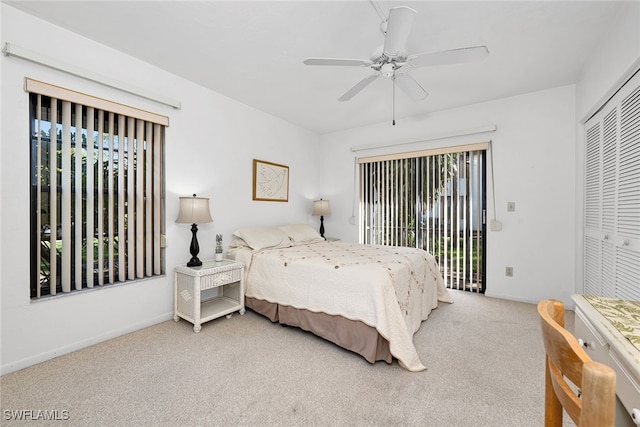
[[612, 197]]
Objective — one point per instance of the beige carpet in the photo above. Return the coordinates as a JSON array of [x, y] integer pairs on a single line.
[[484, 358]]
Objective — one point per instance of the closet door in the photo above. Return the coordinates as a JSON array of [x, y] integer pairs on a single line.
[[612, 197]]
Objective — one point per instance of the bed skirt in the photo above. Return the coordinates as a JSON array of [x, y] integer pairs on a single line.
[[349, 334]]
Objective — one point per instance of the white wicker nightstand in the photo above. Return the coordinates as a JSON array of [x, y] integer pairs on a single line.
[[207, 292]]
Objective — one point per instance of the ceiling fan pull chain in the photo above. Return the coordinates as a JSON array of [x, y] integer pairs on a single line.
[[393, 102]]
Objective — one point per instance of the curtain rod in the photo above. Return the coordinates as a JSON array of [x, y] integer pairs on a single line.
[[47, 61], [482, 129]]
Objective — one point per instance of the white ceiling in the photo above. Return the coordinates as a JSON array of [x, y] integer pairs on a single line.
[[253, 51]]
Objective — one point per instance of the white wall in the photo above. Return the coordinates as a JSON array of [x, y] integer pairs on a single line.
[[609, 60], [533, 148], [210, 144]]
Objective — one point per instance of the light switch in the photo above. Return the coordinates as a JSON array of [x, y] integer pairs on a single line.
[[511, 206]]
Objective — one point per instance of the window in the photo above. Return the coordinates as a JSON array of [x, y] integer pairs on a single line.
[[432, 200], [97, 191]]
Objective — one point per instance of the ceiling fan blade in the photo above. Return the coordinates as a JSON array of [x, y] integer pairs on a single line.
[[398, 29], [410, 86], [358, 87], [453, 56], [338, 61]]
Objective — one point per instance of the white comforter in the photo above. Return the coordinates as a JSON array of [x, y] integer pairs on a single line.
[[392, 289]]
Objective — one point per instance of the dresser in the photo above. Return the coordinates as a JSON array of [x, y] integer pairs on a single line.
[[610, 334]]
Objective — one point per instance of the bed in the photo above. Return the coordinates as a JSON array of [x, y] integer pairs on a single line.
[[368, 299]]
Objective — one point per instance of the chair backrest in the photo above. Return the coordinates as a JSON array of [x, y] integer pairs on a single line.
[[566, 360]]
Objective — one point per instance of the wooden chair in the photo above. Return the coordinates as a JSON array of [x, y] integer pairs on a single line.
[[594, 403]]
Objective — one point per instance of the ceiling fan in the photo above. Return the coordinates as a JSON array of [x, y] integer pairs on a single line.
[[391, 59]]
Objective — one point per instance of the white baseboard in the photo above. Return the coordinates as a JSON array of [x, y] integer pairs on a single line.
[[567, 304], [509, 297], [48, 355]]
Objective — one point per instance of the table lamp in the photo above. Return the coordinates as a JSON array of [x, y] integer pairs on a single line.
[[322, 208], [194, 210]]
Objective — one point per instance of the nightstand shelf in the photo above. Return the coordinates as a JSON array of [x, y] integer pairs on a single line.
[[216, 307], [207, 292]]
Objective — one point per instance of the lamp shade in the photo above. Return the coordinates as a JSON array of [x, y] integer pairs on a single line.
[[194, 210], [321, 207]]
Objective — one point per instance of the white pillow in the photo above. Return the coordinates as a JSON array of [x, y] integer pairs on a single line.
[[263, 237], [301, 234], [238, 243]]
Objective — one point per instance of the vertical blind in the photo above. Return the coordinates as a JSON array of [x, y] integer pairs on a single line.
[[433, 200], [98, 191]]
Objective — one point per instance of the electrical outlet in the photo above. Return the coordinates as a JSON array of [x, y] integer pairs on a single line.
[[511, 206], [508, 271]]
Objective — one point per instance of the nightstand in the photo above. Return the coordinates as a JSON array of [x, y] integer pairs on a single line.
[[204, 293]]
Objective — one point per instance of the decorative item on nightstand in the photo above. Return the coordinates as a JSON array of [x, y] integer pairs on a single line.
[[218, 247], [194, 210], [322, 208]]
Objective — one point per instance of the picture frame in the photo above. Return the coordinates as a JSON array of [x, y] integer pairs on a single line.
[[270, 181]]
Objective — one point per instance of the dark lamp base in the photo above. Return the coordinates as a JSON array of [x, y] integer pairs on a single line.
[[322, 226], [194, 262], [194, 248]]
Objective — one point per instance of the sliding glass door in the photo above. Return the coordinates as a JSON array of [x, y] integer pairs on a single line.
[[434, 202]]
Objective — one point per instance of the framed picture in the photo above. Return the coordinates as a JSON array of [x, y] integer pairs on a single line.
[[270, 181]]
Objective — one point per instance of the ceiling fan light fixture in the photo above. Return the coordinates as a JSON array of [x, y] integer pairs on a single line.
[[388, 69]]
